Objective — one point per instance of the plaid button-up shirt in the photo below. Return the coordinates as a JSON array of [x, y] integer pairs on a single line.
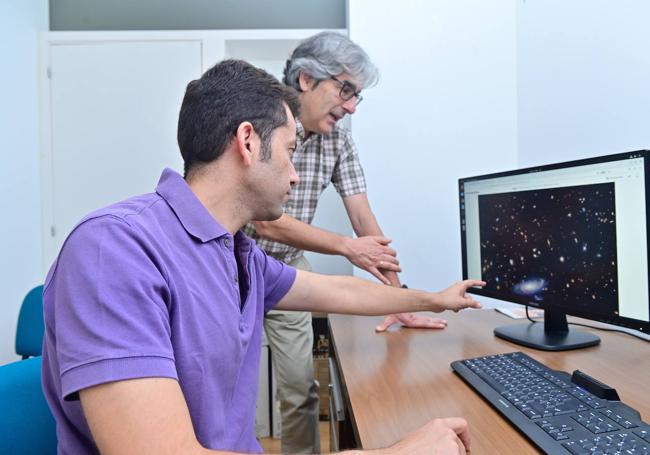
[[319, 160]]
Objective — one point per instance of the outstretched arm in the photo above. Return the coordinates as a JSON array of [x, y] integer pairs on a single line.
[[352, 295]]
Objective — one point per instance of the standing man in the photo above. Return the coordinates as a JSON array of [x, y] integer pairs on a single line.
[[329, 71], [154, 306]]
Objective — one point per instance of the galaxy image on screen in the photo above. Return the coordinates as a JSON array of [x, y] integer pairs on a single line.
[[552, 245]]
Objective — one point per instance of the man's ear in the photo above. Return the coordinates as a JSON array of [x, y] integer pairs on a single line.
[[306, 81], [246, 142]]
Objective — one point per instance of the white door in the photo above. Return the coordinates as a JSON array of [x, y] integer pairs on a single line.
[[113, 111]]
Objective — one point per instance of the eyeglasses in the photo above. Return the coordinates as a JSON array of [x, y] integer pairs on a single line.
[[348, 91]]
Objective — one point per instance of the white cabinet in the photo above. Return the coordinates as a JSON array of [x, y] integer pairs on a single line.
[[263, 407]]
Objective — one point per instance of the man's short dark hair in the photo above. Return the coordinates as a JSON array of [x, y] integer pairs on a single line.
[[229, 93]]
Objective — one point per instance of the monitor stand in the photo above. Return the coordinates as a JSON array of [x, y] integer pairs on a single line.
[[553, 335]]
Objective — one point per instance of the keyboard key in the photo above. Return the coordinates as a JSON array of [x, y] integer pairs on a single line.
[[643, 434], [575, 448], [621, 420], [531, 413], [597, 404]]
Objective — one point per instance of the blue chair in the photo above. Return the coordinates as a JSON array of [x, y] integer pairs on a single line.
[[29, 334], [26, 423]]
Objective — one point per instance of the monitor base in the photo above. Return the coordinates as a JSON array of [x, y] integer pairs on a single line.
[[534, 336]]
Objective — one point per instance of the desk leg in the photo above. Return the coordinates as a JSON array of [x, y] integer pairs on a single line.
[[342, 435]]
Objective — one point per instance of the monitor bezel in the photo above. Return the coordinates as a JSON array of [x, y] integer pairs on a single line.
[[636, 324]]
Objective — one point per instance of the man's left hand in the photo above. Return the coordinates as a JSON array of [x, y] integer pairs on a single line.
[[411, 320]]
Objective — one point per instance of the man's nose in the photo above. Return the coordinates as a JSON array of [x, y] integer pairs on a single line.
[[350, 106], [293, 176]]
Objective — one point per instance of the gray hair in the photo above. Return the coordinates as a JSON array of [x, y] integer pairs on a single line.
[[330, 54]]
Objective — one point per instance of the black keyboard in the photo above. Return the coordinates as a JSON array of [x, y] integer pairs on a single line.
[[555, 414]]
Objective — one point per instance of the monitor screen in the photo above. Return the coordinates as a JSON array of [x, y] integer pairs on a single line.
[[570, 236]]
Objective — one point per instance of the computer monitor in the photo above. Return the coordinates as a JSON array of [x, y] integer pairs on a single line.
[[571, 238]]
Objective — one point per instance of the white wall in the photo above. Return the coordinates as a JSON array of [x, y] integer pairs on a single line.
[[20, 240], [445, 108], [331, 216], [584, 78]]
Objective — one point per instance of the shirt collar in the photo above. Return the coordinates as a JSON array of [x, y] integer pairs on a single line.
[[300, 131], [192, 214]]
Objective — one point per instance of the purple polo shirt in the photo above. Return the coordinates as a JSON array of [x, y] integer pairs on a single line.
[[154, 287]]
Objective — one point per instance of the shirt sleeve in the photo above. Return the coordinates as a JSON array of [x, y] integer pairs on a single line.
[[109, 308], [348, 178], [278, 278]]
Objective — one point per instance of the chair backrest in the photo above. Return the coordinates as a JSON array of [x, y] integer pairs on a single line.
[[29, 334], [26, 423]]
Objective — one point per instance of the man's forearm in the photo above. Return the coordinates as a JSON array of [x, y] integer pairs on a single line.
[[361, 216], [392, 277], [303, 236], [365, 223], [352, 295]]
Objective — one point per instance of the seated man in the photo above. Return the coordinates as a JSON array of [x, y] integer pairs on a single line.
[[154, 306]]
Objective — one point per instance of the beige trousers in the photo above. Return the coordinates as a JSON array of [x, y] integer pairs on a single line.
[[291, 339]]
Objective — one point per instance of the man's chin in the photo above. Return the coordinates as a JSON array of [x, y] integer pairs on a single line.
[[326, 126], [269, 216]]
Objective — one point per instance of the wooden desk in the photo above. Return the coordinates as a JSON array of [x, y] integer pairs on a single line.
[[395, 382]]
